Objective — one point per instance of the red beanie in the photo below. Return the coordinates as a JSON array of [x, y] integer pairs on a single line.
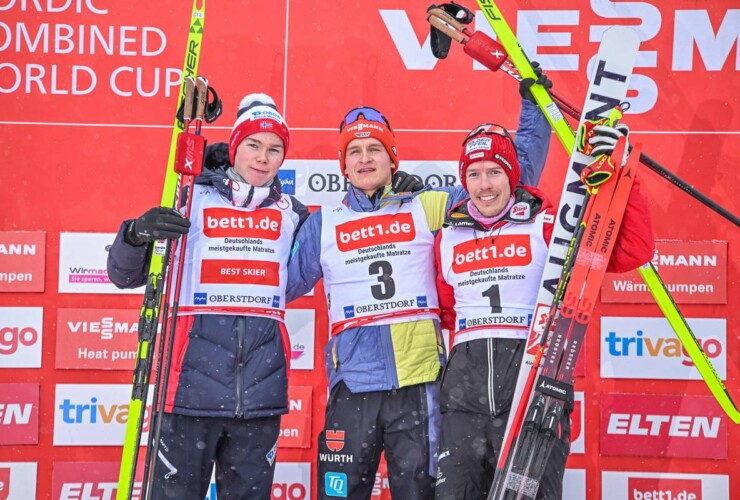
[[490, 142], [361, 129], [257, 113]]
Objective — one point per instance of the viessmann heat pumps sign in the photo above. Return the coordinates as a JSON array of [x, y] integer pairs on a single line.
[[695, 272]]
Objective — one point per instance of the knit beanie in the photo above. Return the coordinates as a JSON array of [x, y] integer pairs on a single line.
[[257, 113], [361, 129], [490, 142]]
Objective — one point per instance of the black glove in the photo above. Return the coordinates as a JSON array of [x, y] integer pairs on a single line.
[[403, 182], [158, 223], [605, 138], [526, 84]]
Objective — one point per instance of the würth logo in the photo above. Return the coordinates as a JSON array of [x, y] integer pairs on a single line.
[[335, 440], [231, 223], [371, 231]]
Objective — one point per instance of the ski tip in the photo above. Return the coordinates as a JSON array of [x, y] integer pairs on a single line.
[[626, 36]]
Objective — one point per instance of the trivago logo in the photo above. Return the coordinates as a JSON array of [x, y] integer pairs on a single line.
[[232, 223], [371, 231], [648, 348], [21, 337], [480, 253], [93, 414]]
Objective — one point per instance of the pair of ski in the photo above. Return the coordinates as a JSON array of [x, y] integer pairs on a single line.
[[184, 162], [529, 438], [565, 326]]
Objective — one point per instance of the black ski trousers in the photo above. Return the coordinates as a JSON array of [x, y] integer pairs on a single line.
[[359, 426], [477, 389], [242, 450]]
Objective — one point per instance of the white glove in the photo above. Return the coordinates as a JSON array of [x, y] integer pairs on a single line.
[[605, 138]]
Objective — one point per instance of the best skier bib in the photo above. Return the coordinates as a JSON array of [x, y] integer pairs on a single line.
[[495, 278], [378, 266], [236, 258]]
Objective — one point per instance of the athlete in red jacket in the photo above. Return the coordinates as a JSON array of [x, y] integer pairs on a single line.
[[494, 288]]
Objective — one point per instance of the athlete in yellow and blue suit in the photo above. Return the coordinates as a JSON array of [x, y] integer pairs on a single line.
[[386, 352]]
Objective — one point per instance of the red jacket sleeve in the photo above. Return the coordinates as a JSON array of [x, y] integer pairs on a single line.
[[445, 292], [635, 243]]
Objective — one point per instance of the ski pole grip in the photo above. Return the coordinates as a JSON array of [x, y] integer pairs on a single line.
[[187, 110], [445, 28], [202, 98], [446, 18]]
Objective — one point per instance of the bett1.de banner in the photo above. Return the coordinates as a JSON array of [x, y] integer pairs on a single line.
[[88, 90]]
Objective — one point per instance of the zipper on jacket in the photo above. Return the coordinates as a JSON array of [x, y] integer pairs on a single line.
[[240, 324], [491, 379]]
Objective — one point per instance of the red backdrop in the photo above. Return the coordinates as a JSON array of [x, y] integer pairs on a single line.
[[88, 92]]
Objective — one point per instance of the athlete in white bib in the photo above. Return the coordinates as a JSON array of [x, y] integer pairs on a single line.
[[490, 255], [375, 253], [228, 384]]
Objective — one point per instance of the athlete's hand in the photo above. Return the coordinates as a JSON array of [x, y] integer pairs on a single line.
[[605, 138], [403, 182], [525, 85], [158, 223]]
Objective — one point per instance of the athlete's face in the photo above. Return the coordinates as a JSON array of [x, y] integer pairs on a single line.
[[368, 165], [488, 186], [258, 158]]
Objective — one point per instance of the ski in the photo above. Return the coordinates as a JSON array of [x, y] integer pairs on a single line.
[[610, 79], [647, 272], [149, 318], [554, 385]]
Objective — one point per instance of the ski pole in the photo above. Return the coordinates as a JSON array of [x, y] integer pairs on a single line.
[[493, 56], [188, 164]]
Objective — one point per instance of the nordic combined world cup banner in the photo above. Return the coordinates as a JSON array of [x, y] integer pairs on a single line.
[[89, 89]]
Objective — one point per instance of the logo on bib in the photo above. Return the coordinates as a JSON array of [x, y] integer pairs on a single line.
[[421, 301], [371, 231], [276, 301], [200, 299], [520, 211], [349, 312], [506, 250], [231, 223]]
